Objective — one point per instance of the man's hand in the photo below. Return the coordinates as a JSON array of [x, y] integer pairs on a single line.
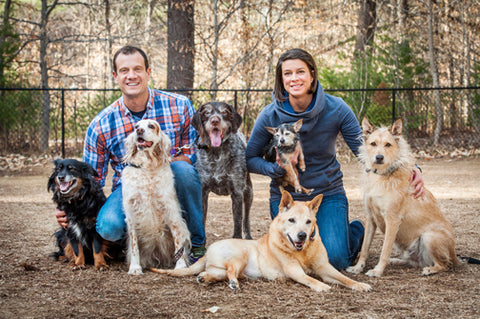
[[416, 181], [61, 218], [181, 157]]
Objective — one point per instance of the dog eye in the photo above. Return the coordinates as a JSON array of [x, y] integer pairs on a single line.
[[309, 222], [291, 220], [388, 145], [373, 144], [287, 133], [151, 126]]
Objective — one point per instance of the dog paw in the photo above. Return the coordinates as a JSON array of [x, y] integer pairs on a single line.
[[200, 279], [374, 273], [233, 284], [135, 270], [321, 287], [101, 267], [427, 271], [78, 267], [360, 286], [358, 268]]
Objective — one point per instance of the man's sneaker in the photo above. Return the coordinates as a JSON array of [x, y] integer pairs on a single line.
[[195, 254]]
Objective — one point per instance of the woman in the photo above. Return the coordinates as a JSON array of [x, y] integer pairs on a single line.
[[299, 95]]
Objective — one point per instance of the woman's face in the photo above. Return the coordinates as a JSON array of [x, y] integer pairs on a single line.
[[297, 78]]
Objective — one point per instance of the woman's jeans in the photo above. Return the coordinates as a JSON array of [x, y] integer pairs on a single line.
[[111, 223], [341, 239]]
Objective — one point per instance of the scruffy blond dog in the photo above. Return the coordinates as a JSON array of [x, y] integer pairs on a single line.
[[157, 233], [416, 226], [291, 249]]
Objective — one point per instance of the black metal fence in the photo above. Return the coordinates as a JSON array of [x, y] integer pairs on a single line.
[[54, 121]]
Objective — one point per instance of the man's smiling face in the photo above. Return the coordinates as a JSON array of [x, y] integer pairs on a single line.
[[131, 76]]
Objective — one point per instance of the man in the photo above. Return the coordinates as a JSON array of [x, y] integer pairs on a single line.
[[104, 143]]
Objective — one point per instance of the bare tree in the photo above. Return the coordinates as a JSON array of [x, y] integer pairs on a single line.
[[181, 50], [433, 70], [44, 41], [367, 22]]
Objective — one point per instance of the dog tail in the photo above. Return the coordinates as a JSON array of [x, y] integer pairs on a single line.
[[194, 269], [469, 260]]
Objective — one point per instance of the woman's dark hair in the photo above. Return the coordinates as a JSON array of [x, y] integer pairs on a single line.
[[127, 50], [292, 55]]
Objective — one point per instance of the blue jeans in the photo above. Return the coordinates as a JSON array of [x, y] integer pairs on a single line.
[[111, 223], [341, 239]]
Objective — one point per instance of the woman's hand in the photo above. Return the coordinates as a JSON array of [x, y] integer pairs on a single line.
[[416, 181], [61, 218]]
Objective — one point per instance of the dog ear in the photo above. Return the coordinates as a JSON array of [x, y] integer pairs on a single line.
[[367, 127], [51, 181], [286, 202], [298, 125], [315, 203], [271, 130], [161, 150], [89, 169], [236, 120], [396, 128], [130, 147], [197, 123]]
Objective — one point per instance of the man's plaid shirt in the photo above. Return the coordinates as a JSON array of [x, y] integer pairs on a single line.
[[104, 140]]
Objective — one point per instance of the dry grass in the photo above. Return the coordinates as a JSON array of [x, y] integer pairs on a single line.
[[33, 285]]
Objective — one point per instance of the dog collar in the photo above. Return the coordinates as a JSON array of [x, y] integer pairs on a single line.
[[389, 171], [201, 146]]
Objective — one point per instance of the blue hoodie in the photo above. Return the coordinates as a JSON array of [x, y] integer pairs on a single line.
[[321, 124]]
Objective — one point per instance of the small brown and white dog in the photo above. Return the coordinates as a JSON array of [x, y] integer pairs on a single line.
[[291, 249], [157, 233], [416, 226], [286, 141]]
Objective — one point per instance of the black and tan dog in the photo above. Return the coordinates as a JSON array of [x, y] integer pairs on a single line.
[[286, 142], [221, 162], [80, 196]]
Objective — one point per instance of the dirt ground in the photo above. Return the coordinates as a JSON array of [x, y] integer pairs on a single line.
[[33, 285]]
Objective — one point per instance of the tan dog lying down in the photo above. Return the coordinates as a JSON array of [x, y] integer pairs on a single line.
[[291, 249]]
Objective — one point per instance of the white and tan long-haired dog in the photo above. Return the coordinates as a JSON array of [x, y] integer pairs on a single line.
[[157, 233], [416, 226]]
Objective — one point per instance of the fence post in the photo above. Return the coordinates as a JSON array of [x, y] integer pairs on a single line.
[[393, 105], [63, 123], [235, 101]]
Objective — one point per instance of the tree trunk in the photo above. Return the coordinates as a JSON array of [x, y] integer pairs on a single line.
[[434, 72], [367, 19], [108, 58], [181, 45], [3, 36], [45, 128], [216, 30]]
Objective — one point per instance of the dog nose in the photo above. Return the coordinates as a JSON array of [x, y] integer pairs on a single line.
[[302, 236], [379, 158], [215, 120], [140, 131], [282, 140]]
